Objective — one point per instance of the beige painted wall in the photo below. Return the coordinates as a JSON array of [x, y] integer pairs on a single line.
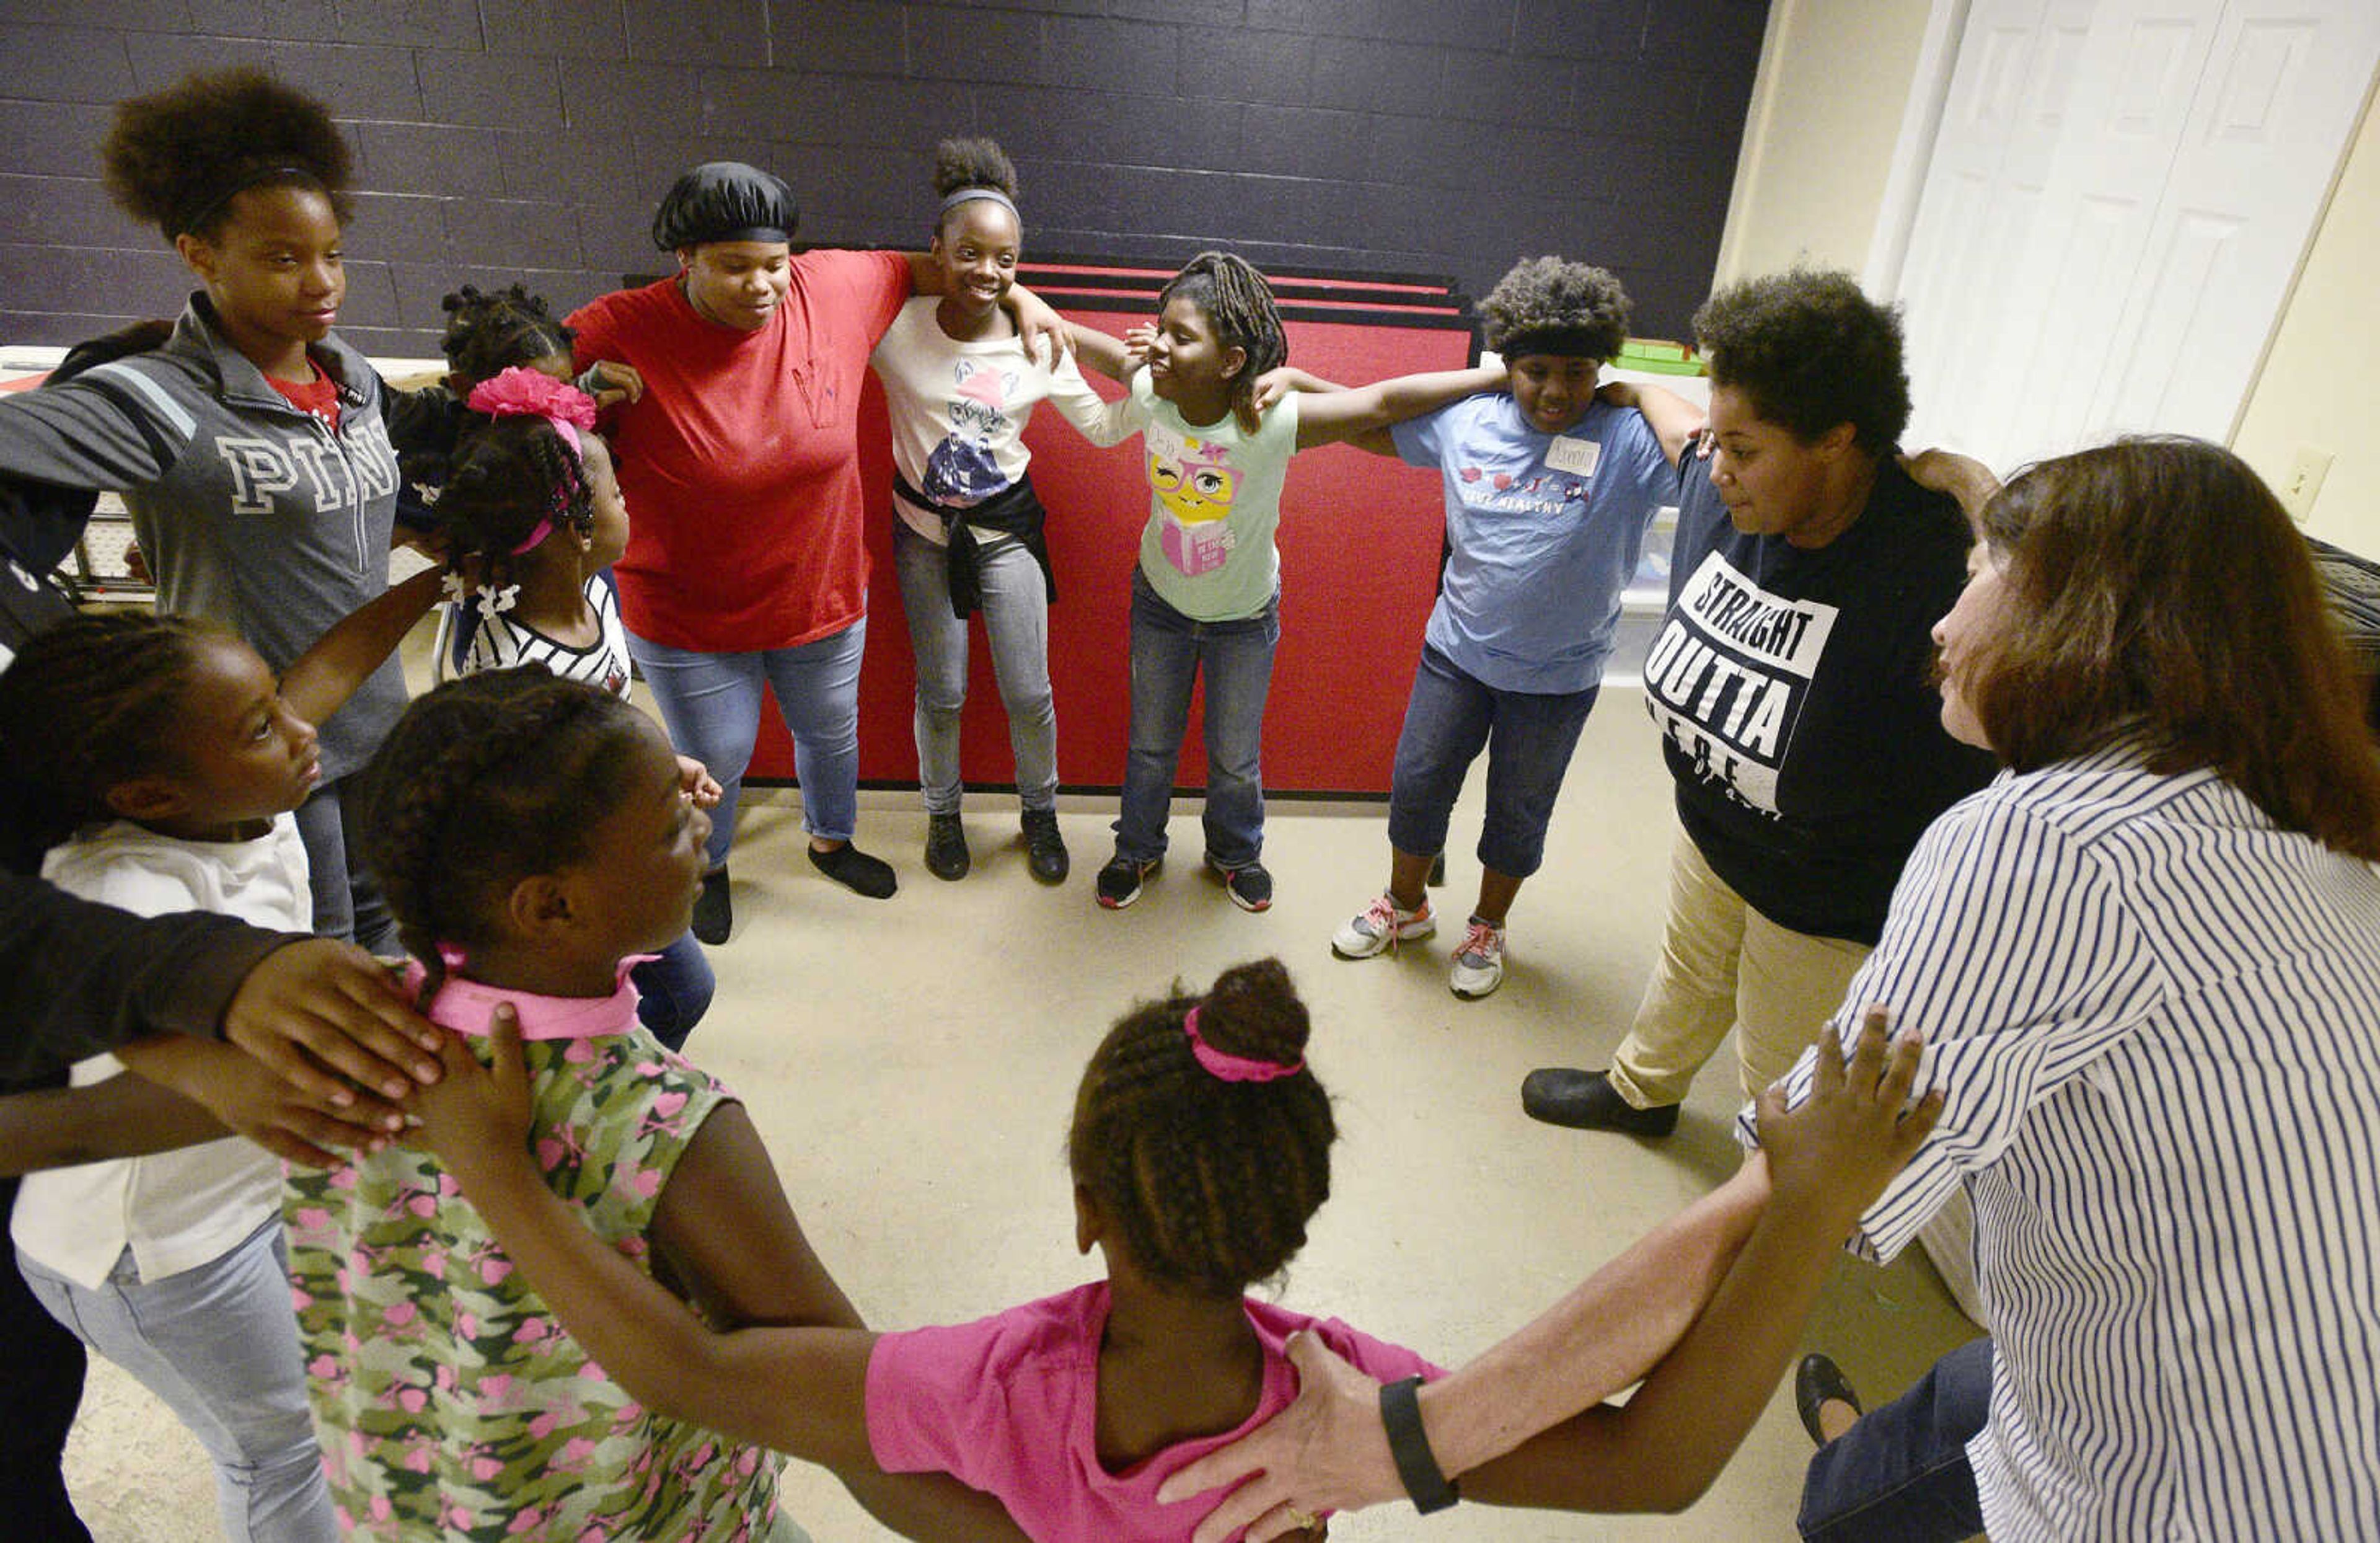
[[1826, 109], [1826, 113], [2321, 382]]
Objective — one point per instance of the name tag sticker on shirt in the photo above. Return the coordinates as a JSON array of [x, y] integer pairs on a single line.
[[1569, 453]]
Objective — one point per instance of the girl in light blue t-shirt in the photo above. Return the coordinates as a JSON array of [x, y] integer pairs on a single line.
[[1548, 493]]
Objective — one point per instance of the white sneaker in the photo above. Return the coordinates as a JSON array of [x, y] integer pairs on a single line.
[[1479, 961], [1380, 929]]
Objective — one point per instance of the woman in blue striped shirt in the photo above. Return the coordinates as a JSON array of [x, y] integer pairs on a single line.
[[2147, 966], [2146, 962]]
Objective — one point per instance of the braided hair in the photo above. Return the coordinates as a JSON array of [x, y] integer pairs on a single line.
[[175, 158], [508, 474], [1239, 306], [484, 781], [90, 705], [1212, 1182], [488, 332]]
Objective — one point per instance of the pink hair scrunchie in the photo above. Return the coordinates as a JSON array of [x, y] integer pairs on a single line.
[[517, 391], [520, 392], [1227, 1067]]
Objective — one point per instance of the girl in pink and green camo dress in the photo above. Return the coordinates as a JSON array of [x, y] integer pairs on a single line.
[[536, 838]]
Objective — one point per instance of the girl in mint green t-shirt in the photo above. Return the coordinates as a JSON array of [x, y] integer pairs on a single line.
[[1205, 596]]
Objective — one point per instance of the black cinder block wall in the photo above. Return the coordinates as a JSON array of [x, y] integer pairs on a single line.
[[529, 138]]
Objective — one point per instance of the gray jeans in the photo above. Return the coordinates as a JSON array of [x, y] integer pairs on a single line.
[[1016, 619]]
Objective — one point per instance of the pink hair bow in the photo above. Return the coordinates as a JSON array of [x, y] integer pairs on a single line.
[[520, 392]]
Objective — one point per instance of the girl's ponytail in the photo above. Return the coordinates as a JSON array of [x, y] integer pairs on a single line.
[[1202, 1135]]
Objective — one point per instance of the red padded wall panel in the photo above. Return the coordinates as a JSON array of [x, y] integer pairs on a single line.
[[1360, 538]]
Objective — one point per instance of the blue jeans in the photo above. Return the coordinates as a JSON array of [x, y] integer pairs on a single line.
[[347, 902], [1529, 736], [1169, 651], [1900, 1475], [675, 991], [1016, 621], [219, 1345], [712, 703]]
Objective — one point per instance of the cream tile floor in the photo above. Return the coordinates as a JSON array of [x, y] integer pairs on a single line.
[[912, 1064]]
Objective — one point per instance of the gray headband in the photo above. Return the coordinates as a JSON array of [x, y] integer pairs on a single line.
[[963, 194]]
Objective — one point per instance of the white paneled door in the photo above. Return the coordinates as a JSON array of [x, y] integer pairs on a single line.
[[2117, 201]]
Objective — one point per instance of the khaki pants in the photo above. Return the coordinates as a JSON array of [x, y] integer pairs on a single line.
[[1724, 963]]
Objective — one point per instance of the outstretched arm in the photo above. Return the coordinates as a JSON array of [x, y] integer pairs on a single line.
[[731, 1234], [1962, 476], [1328, 1449], [318, 682], [1328, 416], [1662, 1449], [1673, 419], [124, 1116], [1103, 351]]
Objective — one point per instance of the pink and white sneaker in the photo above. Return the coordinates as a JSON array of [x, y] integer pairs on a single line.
[[1380, 929], [1478, 963]]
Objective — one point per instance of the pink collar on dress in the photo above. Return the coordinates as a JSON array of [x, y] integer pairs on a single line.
[[466, 1005]]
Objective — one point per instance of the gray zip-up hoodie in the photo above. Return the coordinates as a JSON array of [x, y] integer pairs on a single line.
[[250, 511]]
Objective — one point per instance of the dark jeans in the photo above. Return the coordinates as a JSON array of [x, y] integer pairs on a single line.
[[347, 902], [1900, 1475], [1529, 736], [41, 1367], [1169, 652], [673, 991]]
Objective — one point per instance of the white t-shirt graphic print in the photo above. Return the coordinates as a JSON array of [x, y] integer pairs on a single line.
[[1728, 675]]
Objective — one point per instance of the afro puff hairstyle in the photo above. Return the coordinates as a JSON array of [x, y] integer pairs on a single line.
[[175, 157], [972, 163], [1546, 305], [1810, 351]]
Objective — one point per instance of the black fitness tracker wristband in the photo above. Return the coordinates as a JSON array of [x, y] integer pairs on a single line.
[[1409, 1444]]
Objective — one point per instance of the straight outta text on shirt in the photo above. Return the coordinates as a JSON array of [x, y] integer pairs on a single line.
[[1728, 675]]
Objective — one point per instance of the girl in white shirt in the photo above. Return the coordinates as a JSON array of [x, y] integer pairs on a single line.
[[966, 530], [175, 757]]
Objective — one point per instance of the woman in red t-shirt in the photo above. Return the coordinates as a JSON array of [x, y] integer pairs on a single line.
[[741, 464]]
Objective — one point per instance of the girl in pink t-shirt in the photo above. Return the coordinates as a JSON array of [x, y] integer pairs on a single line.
[[1200, 1150]]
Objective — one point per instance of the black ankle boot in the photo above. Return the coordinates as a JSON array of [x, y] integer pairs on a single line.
[[946, 847], [1045, 849]]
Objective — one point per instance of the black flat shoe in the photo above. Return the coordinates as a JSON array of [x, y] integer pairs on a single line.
[[714, 913], [1588, 1101], [857, 871], [1819, 1381]]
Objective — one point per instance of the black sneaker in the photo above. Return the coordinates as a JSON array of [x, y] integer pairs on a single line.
[[857, 871], [1250, 885], [714, 917], [946, 847], [1045, 849], [1588, 1101], [1119, 880]]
